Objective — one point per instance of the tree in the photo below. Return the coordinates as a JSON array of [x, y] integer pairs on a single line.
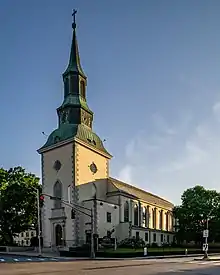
[[198, 206], [18, 207]]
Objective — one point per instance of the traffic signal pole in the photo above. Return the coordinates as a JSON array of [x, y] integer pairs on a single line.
[[80, 208], [38, 223]]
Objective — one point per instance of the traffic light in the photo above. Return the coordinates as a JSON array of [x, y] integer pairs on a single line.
[[73, 214], [41, 200]]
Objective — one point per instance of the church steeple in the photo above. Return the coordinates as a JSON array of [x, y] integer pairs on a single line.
[[74, 116], [74, 109], [74, 65]]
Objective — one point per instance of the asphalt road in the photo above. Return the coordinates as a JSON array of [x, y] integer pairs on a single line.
[[122, 267]]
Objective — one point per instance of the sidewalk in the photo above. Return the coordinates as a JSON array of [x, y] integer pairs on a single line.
[[56, 256]]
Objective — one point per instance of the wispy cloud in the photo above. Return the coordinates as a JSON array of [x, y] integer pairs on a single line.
[[175, 158]]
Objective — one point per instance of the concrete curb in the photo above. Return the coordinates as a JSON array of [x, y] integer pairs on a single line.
[[21, 254], [155, 257]]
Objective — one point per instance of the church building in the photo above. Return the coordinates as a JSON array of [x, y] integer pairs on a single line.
[[75, 168]]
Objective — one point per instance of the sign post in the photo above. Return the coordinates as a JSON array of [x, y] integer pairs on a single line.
[[205, 245]]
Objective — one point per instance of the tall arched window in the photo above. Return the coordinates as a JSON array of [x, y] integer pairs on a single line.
[[167, 221], [171, 222], [57, 191], [161, 220], [154, 216], [148, 217], [126, 211], [145, 216], [82, 89], [66, 87], [136, 210]]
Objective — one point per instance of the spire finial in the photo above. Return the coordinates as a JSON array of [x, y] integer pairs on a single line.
[[74, 18]]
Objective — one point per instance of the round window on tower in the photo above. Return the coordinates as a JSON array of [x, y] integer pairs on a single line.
[[82, 89], [57, 165]]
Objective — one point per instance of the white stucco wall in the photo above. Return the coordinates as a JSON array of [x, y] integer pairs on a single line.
[[50, 176]]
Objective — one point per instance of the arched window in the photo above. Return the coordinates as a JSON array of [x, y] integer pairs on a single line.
[[161, 220], [167, 221], [145, 216], [57, 191], [66, 87], [148, 217], [154, 216], [136, 210], [126, 211], [171, 222], [82, 89]]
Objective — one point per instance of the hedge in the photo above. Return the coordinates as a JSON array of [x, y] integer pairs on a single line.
[[133, 254]]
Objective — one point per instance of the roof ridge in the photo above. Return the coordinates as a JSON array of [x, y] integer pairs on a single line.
[[134, 187]]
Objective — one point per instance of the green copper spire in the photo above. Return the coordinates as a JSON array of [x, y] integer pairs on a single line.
[[74, 65], [75, 118]]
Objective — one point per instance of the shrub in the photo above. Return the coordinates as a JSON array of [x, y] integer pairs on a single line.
[[154, 245], [132, 243]]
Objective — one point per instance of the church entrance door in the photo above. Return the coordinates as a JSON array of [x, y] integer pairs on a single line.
[[58, 234]]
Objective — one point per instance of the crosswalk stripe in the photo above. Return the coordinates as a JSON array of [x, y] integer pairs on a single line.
[[24, 259]]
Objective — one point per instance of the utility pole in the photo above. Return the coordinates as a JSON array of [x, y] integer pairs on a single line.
[[38, 222], [92, 235]]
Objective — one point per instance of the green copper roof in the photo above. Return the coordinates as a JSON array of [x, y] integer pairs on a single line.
[[74, 61], [75, 100], [67, 131]]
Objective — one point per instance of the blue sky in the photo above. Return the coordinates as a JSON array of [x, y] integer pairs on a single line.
[[153, 83]]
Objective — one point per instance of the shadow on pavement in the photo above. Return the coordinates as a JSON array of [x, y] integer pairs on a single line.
[[211, 270]]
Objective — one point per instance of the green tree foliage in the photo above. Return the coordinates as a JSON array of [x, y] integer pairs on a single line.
[[198, 206], [18, 207]]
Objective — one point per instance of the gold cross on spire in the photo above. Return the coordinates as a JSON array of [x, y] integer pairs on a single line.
[[74, 18]]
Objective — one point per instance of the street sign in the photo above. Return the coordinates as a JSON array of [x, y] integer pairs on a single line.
[[205, 247], [205, 233]]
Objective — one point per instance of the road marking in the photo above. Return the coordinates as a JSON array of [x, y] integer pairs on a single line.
[[204, 263], [16, 260]]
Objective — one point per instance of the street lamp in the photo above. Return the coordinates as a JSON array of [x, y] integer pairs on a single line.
[[206, 235]]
